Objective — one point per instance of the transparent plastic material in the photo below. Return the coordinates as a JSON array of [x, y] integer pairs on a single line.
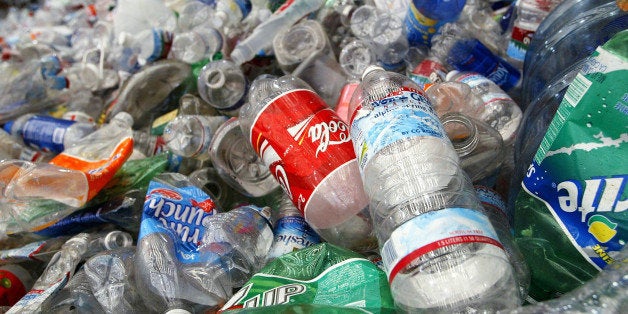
[[572, 31], [260, 38], [230, 250], [480, 147], [197, 44], [409, 181], [362, 21], [110, 275], [295, 44], [145, 90], [222, 85], [337, 206], [34, 194], [500, 110], [190, 135], [390, 42], [76, 296], [236, 162], [355, 57]]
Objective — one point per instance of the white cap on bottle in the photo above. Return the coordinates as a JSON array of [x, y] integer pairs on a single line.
[[451, 74], [370, 69], [178, 311], [124, 117]]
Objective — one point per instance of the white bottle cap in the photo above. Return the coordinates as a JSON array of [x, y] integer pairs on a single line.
[[370, 69], [124, 117], [451, 74], [178, 311]]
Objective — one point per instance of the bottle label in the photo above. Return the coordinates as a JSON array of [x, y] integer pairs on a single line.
[[21, 254], [45, 133], [403, 114], [518, 45], [98, 172], [577, 180], [11, 288], [490, 197], [352, 283], [421, 74], [179, 212], [434, 230], [33, 300], [420, 28], [474, 80], [292, 233], [473, 56], [302, 141], [244, 6]]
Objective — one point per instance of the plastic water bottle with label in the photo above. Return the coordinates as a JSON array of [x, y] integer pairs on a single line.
[[308, 150], [440, 250]]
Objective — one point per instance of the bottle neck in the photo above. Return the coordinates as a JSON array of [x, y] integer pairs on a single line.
[[462, 132]]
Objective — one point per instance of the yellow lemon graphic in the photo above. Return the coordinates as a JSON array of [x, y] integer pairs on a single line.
[[602, 228], [601, 231]]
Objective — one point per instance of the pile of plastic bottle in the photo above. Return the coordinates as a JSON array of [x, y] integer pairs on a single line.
[[315, 156]]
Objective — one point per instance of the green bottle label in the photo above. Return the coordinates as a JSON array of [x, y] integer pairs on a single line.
[[571, 216]]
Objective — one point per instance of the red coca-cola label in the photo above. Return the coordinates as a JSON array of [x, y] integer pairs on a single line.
[[427, 66], [302, 141], [522, 35]]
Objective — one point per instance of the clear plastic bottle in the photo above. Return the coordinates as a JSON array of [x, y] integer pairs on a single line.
[[294, 44], [501, 112], [196, 45], [110, 277], [222, 85], [439, 248], [75, 297], [145, 90], [308, 150], [190, 135], [236, 162], [83, 106], [194, 14], [292, 232], [463, 52], [47, 133], [261, 37], [362, 21], [229, 13], [479, 146], [390, 42], [354, 58]]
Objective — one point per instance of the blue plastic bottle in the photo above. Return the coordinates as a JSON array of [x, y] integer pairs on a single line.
[[425, 17]]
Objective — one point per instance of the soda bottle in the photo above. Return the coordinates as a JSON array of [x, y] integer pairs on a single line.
[[308, 150], [425, 17], [15, 281], [439, 248]]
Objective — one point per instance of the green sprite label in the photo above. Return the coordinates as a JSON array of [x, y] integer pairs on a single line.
[[571, 217], [319, 277]]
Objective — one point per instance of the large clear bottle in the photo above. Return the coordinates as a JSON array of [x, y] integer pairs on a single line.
[[308, 150], [439, 248]]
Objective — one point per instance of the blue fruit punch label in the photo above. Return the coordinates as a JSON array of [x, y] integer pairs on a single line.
[[179, 212]]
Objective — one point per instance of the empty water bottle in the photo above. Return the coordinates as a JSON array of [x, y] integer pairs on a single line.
[[196, 45], [390, 43], [439, 248], [425, 17]]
